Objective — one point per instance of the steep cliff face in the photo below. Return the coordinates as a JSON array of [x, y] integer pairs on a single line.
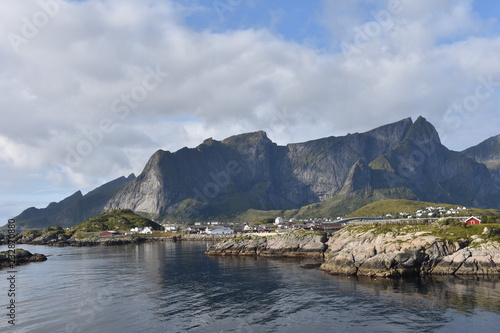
[[222, 179], [488, 153], [248, 171], [324, 165], [434, 173], [208, 174]]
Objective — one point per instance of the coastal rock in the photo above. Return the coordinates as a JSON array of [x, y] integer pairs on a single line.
[[292, 244], [51, 236], [374, 251], [389, 255], [481, 260], [19, 256]]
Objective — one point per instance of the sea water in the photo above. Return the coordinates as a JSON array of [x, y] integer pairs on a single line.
[[175, 287]]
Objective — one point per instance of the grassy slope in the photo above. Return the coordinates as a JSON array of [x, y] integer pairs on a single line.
[[117, 219], [342, 206], [447, 231], [394, 206]]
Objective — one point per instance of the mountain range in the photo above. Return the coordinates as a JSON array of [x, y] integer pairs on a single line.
[[224, 180]]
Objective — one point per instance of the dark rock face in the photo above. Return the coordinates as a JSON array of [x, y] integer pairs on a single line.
[[20, 256], [249, 171], [487, 153], [72, 210]]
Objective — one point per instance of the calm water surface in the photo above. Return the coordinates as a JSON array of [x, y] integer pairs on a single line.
[[174, 287]]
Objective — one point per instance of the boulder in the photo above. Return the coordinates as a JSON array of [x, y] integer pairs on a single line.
[[20, 256]]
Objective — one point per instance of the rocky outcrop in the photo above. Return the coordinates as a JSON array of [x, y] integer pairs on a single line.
[[51, 236], [385, 254], [483, 259], [96, 240], [375, 251], [301, 244], [19, 256]]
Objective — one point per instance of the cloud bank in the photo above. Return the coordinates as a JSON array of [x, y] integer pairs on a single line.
[[90, 89]]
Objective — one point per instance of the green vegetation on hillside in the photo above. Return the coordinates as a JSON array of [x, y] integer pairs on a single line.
[[446, 230], [394, 206], [117, 219]]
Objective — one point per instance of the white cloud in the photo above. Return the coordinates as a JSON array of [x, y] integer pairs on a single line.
[[64, 82]]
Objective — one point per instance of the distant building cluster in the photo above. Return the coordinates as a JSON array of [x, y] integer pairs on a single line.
[[430, 212], [281, 224], [145, 231]]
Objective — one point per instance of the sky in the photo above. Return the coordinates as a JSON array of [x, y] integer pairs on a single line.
[[90, 89]]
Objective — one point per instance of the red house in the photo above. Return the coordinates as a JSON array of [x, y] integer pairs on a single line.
[[111, 233], [472, 220]]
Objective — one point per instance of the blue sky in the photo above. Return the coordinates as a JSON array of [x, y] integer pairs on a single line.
[[298, 21], [91, 89], [303, 22]]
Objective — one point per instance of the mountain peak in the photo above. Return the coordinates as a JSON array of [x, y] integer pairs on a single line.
[[423, 132], [394, 131], [252, 139], [251, 136]]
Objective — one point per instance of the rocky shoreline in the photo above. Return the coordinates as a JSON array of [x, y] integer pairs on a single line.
[[365, 251], [61, 238], [370, 252], [412, 253], [298, 244]]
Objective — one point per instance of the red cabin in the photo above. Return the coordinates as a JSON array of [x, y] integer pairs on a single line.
[[111, 233], [472, 220]]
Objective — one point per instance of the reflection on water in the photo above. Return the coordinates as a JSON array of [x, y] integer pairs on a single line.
[[174, 287], [466, 294]]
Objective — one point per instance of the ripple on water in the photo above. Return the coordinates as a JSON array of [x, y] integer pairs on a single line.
[[174, 287]]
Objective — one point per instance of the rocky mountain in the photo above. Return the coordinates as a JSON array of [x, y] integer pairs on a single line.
[[220, 179], [488, 153], [223, 179], [74, 209]]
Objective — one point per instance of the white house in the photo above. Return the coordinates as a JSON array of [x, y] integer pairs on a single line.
[[170, 227], [219, 231], [136, 229], [147, 231]]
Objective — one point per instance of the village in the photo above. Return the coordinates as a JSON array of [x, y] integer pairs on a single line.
[[329, 225]]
